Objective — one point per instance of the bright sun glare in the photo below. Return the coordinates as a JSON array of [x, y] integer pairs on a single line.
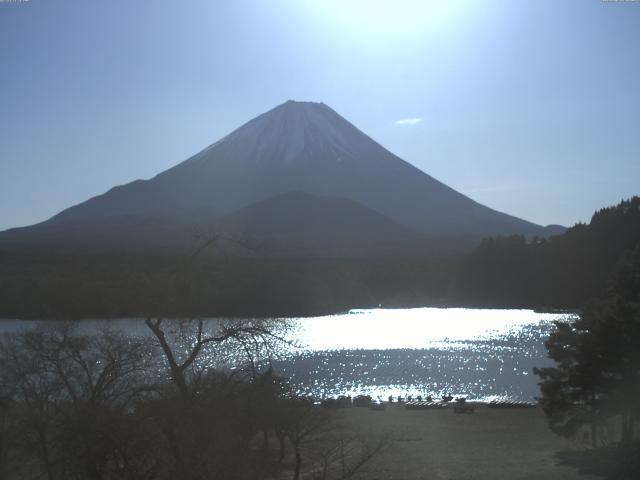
[[385, 19]]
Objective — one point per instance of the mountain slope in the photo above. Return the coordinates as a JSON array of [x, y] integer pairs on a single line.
[[301, 223], [297, 146]]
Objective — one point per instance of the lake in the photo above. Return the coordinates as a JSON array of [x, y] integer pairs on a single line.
[[478, 353]]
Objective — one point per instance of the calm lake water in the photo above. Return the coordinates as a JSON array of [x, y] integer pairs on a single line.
[[480, 354]]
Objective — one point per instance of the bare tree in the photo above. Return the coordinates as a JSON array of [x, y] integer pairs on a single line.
[[214, 339], [70, 394], [4, 412], [333, 449], [345, 456], [301, 421]]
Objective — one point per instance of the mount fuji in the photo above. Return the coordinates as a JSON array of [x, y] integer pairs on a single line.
[[301, 165]]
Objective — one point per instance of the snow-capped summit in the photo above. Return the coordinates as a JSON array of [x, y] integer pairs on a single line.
[[293, 131]]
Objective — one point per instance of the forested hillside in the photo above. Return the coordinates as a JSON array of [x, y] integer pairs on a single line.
[[112, 285], [563, 271]]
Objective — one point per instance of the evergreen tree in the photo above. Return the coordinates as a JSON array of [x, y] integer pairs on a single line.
[[597, 372]]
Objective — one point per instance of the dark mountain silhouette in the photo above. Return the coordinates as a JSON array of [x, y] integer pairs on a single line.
[[300, 223], [298, 146]]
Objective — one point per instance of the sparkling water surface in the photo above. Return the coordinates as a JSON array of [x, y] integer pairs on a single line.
[[477, 353]]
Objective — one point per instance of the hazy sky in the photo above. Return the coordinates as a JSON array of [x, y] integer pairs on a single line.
[[532, 108]]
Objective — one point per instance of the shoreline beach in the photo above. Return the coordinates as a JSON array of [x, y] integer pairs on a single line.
[[491, 444]]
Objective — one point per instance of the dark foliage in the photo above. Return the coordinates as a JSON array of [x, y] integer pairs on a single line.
[[107, 406], [597, 374], [564, 271], [52, 285], [614, 463]]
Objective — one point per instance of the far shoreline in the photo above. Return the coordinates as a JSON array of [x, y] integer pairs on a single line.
[[328, 313]]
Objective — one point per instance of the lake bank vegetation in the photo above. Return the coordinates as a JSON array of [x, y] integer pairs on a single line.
[[183, 402], [593, 390]]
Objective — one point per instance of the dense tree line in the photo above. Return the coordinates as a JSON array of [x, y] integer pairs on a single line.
[[564, 271], [53, 285]]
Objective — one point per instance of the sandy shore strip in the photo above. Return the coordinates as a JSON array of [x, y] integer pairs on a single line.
[[491, 444]]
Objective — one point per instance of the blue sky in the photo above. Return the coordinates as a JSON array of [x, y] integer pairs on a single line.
[[530, 107]]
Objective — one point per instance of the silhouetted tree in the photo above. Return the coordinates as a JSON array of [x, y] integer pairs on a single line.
[[597, 372], [70, 395], [195, 337]]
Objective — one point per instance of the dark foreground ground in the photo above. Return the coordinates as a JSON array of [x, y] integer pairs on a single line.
[[490, 444]]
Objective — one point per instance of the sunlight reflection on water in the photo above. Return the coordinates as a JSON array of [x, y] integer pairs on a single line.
[[413, 328], [480, 354]]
